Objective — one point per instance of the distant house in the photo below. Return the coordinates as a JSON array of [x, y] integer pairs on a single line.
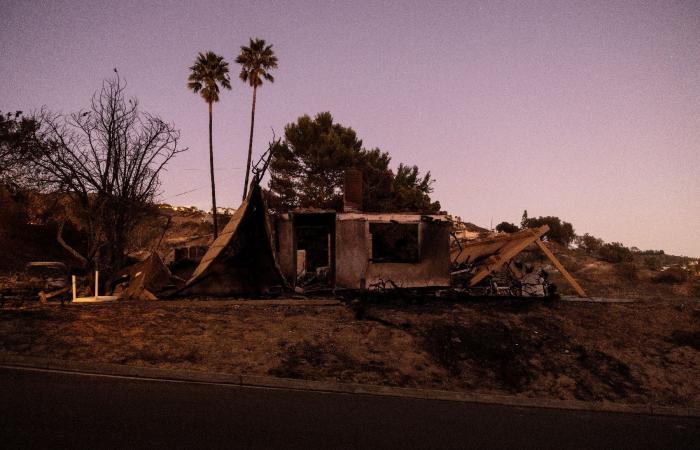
[[225, 211]]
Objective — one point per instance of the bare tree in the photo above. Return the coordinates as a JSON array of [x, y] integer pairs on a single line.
[[18, 145], [107, 161]]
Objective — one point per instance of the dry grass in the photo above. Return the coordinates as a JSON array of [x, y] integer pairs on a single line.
[[610, 352]]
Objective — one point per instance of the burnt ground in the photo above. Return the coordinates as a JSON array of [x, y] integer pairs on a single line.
[[621, 352]]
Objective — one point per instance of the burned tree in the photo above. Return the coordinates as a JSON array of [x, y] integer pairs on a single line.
[[18, 145], [105, 162]]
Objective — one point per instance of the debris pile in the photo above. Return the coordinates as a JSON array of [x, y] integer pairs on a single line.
[[489, 266]]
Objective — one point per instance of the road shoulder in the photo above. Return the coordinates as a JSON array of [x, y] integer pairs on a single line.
[[254, 381]]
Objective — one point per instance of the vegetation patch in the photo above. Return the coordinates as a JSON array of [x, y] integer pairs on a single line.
[[515, 357], [612, 373], [560, 350], [674, 275], [164, 355], [491, 347], [686, 338], [317, 360]]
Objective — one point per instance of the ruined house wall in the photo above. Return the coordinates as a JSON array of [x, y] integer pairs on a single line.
[[433, 268], [354, 269], [285, 250], [352, 253]]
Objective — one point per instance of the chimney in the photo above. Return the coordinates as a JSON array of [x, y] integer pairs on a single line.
[[352, 192]]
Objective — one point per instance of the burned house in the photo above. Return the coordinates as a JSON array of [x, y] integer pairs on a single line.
[[357, 250], [323, 249], [312, 249], [354, 250]]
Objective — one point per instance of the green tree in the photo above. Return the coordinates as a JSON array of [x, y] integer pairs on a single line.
[[615, 252], [256, 60], [652, 262], [507, 227], [307, 170], [523, 220], [590, 244], [206, 74], [559, 231]]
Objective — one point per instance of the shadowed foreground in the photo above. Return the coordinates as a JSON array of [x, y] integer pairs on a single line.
[[636, 353], [63, 410]]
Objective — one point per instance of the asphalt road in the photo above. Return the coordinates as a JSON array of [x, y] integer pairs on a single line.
[[42, 409]]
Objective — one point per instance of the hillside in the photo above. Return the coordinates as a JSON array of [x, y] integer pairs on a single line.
[[31, 236], [633, 279]]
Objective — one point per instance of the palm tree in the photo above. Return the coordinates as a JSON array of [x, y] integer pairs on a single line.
[[256, 60], [208, 72]]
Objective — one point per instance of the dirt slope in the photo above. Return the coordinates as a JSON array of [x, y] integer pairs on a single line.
[[630, 353]]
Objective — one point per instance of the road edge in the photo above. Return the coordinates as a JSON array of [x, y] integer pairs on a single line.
[[257, 381]]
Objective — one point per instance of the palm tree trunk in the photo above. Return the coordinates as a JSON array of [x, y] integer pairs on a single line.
[[213, 186], [250, 144]]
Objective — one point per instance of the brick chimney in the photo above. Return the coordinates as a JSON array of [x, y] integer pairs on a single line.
[[352, 192]]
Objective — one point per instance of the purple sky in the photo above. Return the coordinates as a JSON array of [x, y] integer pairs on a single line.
[[588, 110]]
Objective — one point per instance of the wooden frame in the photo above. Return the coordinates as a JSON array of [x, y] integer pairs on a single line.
[[498, 251]]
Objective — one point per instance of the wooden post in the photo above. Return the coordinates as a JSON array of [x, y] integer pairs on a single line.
[[73, 278], [561, 268], [97, 283], [510, 249]]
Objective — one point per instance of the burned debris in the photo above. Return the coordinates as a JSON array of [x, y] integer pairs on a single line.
[[327, 251], [42, 279], [241, 260], [489, 266], [321, 250]]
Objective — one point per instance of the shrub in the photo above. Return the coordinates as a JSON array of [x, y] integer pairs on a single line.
[[674, 275], [615, 252], [652, 252], [627, 271], [589, 244], [506, 227], [652, 262]]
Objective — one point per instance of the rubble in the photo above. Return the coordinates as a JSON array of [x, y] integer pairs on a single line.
[[136, 289], [43, 280], [241, 260], [487, 266], [314, 250], [155, 275]]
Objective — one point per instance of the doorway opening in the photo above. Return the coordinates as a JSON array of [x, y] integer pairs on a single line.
[[314, 247]]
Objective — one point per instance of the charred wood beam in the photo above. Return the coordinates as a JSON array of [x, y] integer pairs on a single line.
[[565, 273], [507, 252]]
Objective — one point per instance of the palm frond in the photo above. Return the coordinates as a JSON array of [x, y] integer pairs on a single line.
[[207, 73], [256, 60]]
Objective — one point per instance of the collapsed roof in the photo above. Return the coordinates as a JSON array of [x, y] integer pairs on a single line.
[[241, 260], [482, 257], [156, 275]]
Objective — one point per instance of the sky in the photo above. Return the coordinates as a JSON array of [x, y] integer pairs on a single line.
[[586, 110]]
